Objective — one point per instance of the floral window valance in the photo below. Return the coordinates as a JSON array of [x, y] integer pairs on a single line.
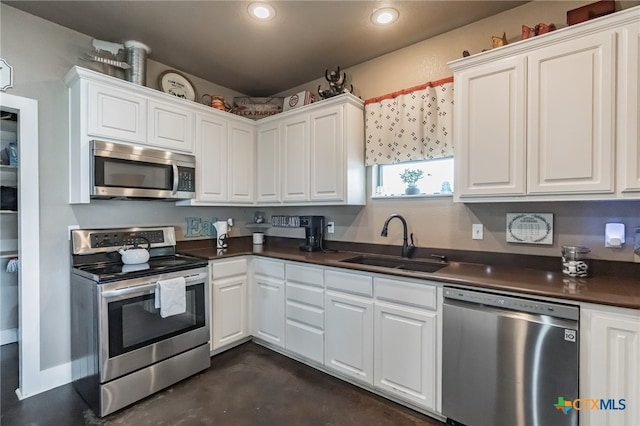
[[412, 124]]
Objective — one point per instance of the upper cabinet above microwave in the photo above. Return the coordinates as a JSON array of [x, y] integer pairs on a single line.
[[105, 108], [551, 118]]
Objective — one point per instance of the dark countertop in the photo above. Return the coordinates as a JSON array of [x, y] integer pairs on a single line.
[[623, 291]]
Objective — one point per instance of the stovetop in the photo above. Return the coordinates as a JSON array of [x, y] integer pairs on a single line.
[[108, 272], [95, 253]]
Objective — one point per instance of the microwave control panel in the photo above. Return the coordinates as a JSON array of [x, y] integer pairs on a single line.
[[186, 179]]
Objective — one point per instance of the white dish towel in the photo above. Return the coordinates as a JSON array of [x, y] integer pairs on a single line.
[[171, 296]]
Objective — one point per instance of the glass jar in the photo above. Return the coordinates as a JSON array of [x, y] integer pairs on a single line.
[[575, 261]]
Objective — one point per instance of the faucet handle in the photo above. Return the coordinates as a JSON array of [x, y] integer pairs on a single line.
[[412, 245]]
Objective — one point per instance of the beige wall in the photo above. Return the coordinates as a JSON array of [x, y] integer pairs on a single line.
[[439, 222]]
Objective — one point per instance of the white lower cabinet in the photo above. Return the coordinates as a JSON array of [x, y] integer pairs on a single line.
[[228, 302], [304, 311], [610, 365], [349, 325], [268, 301], [405, 335]]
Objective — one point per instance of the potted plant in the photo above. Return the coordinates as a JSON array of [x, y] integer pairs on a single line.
[[410, 177]]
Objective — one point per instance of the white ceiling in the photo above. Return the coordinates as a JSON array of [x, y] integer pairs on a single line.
[[219, 42]]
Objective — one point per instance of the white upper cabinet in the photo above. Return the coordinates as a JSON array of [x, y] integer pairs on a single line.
[[542, 119], [225, 158], [268, 163], [490, 141], [629, 111], [211, 158], [113, 113], [170, 126], [313, 155], [295, 158], [570, 116], [242, 159], [326, 146]]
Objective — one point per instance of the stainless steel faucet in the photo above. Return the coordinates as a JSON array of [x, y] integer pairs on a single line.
[[407, 249]]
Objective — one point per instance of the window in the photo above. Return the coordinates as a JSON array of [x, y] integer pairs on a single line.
[[437, 178]]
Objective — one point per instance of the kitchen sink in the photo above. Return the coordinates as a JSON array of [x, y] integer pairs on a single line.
[[397, 263]]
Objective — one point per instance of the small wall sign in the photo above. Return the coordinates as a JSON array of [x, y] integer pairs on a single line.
[[6, 75], [197, 227], [530, 228]]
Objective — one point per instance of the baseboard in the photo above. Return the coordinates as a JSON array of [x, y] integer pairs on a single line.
[[8, 336], [49, 379]]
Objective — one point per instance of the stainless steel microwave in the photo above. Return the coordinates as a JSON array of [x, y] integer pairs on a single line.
[[128, 171]]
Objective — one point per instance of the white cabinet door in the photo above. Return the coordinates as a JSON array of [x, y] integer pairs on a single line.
[[629, 109], [116, 114], [268, 310], [242, 151], [328, 162], [294, 151], [211, 157], [229, 310], [610, 365], [170, 126], [405, 353], [490, 108], [349, 336], [268, 163], [571, 130]]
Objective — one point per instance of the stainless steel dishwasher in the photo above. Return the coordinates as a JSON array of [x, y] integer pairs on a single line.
[[508, 360]]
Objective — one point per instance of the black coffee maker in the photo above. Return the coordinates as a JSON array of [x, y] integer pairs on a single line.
[[313, 232]]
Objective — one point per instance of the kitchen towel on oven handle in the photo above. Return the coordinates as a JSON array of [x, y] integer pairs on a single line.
[[171, 296]]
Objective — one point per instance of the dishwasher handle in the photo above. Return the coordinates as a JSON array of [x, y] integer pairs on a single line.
[[502, 301]]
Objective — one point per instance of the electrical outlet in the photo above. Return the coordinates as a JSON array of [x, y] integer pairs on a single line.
[[477, 231], [330, 227]]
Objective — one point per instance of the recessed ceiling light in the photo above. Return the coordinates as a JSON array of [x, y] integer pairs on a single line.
[[262, 11], [384, 16]]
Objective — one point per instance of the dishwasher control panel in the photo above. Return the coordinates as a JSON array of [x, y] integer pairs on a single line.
[[513, 303]]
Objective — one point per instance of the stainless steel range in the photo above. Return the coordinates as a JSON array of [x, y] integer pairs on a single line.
[[124, 346]]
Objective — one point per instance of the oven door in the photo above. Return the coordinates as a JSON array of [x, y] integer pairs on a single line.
[[133, 335]]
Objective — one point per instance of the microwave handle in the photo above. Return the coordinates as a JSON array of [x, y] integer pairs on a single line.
[[175, 179]]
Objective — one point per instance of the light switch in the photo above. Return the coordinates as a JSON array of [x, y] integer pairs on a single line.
[[614, 235], [477, 231]]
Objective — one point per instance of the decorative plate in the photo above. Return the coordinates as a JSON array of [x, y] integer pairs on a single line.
[[176, 84]]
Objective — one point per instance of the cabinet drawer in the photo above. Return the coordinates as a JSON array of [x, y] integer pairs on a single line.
[[305, 341], [305, 274], [350, 283], [306, 295], [228, 268], [422, 295], [310, 316], [268, 268]]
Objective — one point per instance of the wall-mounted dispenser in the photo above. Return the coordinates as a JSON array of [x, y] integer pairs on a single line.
[[614, 235]]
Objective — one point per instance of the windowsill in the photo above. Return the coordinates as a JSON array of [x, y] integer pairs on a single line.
[[411, 197]]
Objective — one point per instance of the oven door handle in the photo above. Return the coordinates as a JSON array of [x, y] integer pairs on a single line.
[[145, 288]]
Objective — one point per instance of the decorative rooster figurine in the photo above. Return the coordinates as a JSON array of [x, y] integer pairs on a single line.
[[336, 84]]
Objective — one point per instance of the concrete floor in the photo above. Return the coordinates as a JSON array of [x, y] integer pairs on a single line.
[[247, 385]]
